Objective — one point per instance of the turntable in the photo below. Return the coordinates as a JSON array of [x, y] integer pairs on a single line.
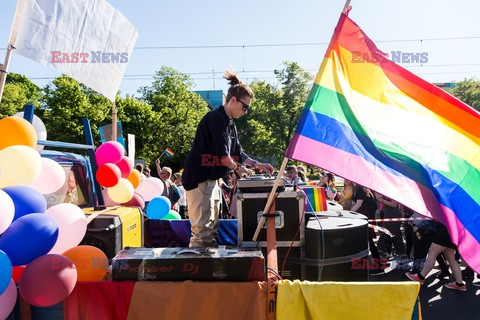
[[259, 184]]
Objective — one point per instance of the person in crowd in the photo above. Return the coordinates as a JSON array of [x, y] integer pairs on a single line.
[[291, 176], [233, 180], [139, 168], [181, 205], [441, 243], [364, 203], [146, 172], [424, 231], [390, 209], [170, 190], [302, 173], [328, 182], [345, 196], [215, 150]]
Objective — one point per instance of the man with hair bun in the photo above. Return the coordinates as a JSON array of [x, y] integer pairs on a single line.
[[215, 150]]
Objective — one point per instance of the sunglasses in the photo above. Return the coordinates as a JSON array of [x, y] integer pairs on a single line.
[[245, 106]]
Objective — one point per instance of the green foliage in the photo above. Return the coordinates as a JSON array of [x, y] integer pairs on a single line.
[[267, 129], [469, 92], [19, 91], [179, 111], [67, 102]]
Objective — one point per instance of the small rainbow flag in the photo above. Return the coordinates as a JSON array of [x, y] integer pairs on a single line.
[[169, 152], [315, 200], [307, 183]]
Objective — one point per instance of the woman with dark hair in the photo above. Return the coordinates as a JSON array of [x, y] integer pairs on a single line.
[[215, 150]]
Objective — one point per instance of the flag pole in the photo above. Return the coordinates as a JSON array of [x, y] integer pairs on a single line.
[[114, 122], [4, 69], [345, 7]]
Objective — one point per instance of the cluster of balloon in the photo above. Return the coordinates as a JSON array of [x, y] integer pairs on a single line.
[[123, 184], [33, 239]]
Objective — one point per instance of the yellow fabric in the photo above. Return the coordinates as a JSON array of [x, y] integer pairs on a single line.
[[346, 300]]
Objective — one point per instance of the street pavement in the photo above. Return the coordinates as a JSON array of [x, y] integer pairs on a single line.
[[438, 302]]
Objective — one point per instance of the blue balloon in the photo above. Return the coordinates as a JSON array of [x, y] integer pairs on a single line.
[[5, 271], [26, 200], [158, 207], [29, 237]]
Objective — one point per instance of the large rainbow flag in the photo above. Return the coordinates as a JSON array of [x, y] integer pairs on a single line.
[[377, 124]]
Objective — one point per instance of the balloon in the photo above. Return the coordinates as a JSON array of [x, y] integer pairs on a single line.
[[19, 165], [17, 272], [106, 199], [29, 237], [72, 226], [39, 127], [8, 299], [122, 192], [136, 201], [126, 166], [7, 211], [172, 215], [108, 175], [150, 188], [135, 178], [91, 262], [51, 178], [109, 152], [17, 131], [48, 280], [5, 271], [158, 207], [26, 200]]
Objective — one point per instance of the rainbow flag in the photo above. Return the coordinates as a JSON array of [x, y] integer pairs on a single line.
[[387, 129], [169, 152], [315, 199]]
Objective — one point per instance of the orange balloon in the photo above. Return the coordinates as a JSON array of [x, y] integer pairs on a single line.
[[91, 262], [15, 130], [134, 178]]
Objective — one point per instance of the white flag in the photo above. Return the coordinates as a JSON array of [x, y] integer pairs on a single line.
[[88, 40]]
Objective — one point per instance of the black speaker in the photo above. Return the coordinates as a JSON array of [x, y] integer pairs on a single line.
[[291, 268], [345, 243], [288, 206], [105, 233]]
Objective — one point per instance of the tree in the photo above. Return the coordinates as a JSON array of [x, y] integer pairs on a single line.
[[275, 112], [469, 92], [18, 91], [179, 111], [66, 102]]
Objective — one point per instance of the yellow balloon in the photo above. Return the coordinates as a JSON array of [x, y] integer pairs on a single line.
[[19, 166], [17, 131], [121, 192]]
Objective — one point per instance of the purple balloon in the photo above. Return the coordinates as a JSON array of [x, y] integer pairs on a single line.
[[29, 237], [26, 200]]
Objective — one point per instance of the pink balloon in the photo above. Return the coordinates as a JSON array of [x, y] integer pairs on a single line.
[[109, 152], [48, 280], [126, 166], [72, 226], [52, 177], [150, 188], [136, 201], [8, 211], [8, 299]]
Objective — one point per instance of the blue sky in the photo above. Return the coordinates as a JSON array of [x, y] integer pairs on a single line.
[[203, 38]]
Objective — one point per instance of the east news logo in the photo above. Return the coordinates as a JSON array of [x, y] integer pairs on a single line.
[[92, 57]]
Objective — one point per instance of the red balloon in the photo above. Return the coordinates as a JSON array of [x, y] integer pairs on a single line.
[[48, 280], [17, 272], [136, 201], [126, 166], [108, 175]]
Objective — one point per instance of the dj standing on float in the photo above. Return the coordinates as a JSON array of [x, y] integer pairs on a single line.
[[215, 150]]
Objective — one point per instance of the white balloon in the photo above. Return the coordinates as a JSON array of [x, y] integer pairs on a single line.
[[7, 211], [52, 177], [72, 226], [39, 128], [150, 188]]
